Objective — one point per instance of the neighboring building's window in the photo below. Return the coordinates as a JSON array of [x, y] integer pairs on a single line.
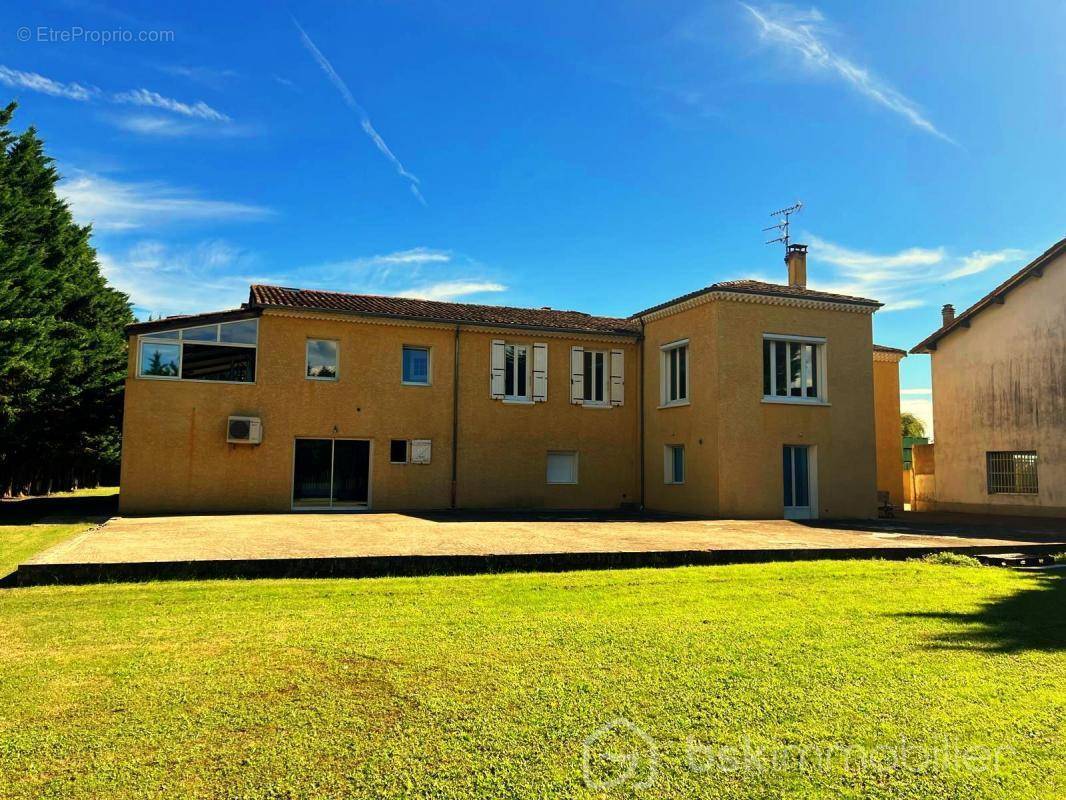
[[221, 352], [596, 377], [674, 371], [516, 372], [398, 451], [674, 463], [562, 467], [416, 365], [322, 360], [793, 369], [1012, 472]]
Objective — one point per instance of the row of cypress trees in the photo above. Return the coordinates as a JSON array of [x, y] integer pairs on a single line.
[[62, 348]]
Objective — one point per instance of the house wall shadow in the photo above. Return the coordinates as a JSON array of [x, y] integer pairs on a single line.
[[1033, 618]]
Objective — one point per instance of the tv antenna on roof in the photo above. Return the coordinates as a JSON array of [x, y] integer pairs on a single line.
[[782, 225]]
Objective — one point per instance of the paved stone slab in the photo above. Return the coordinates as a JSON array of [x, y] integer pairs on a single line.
[[310, 536]]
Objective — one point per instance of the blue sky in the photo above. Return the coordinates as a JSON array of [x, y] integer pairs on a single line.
[[599, 156]]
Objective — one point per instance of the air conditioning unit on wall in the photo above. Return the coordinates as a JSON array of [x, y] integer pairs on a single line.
[[244, 430]]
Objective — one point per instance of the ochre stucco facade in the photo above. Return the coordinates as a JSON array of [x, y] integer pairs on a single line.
[[733, 437], [176, 458], [887, 425], [999, 385]]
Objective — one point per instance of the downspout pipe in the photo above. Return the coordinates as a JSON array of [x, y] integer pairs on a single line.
[[455, 417], [640, 408]]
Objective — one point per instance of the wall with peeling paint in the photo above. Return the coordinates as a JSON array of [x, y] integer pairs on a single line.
[[1001, 385]]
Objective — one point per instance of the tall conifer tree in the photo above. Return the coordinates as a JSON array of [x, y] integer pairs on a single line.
[[62, 348]]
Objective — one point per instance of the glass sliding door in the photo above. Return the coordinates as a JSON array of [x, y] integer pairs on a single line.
[[351, 473], [796, 468], [331, 474]]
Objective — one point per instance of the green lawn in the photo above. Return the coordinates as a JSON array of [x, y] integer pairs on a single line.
[[29, 526], [487, 686]]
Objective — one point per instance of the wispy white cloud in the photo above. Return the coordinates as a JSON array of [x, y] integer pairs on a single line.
[[803, 32], [35, 82], [452, 290], [150, 99], [416, 255], [364, 118], [922, 392], [117, 205], [901, 280], [198, 111], [978, 261], [164, 279]]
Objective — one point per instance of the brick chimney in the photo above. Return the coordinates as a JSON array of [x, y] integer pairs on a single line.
[[948, 314], [796, 258]]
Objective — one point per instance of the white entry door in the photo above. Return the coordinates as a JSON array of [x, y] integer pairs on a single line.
[[796, 462]]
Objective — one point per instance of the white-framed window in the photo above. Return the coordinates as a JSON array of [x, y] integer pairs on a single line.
[[416, 365], [674, 463], [397, 451], [597, 375], [323, 359], [516, 372], [673, 372], [1012, 472], [793, 369], [562, 466], [223, 352], [519, 372]]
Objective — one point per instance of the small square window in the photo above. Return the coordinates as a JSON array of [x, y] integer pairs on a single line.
[[322, 360], [398, 451], [674, 464], [562, 467], [416, 365]]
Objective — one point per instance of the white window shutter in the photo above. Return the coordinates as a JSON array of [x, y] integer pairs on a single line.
[[618, 378], [497, 383], [421, 450], [577, 375], [540, 372]]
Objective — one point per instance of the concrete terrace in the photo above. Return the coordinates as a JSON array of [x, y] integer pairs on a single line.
[[312, 545]]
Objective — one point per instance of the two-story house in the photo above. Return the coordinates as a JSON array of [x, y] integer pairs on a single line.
[[743, 399]]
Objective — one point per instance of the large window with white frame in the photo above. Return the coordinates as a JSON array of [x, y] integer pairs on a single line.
[[673, 371], [793, 369], [516, 371], [323, 360], [224, 352], [597, 376]]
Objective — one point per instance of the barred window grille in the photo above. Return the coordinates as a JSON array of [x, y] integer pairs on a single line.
[[1012, 472]]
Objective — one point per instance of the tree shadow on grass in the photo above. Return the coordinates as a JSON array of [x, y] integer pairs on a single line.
[[1033, 618]]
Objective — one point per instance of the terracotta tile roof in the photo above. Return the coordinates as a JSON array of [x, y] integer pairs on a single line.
[[262, 296], [763, 288], [884, 348], [997, 295]]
